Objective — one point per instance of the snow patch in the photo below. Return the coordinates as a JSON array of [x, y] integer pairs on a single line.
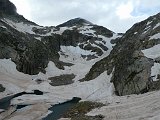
[[3, 27], [155, 70], [76, 50], [62, 29], [38, 38], [52, 70], [135, 32], [20, 26], [86, 30], [149, 22], [157, 25], [146, 29], [152, 52], [155, 36]]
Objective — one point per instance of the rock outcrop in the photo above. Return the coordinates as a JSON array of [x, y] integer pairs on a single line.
[[6, 7]]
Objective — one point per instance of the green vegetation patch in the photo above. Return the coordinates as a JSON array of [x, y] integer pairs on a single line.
[[80, 109]]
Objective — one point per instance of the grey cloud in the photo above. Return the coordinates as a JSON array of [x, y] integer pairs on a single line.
[[102, 12]]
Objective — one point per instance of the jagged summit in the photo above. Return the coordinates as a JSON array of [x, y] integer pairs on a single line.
[[75, 22], [7, 7]]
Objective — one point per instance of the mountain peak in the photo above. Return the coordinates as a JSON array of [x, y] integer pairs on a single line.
[[7, 7], [75, 22]]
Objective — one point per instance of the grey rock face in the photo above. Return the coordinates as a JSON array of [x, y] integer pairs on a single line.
[[6, 7], [134, 78], [132, 69], [2, 88]]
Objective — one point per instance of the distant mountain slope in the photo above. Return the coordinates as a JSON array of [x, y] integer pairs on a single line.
[[75, 22], [32, 46]]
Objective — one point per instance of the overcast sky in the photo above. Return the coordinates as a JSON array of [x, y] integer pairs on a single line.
[[116, 15]]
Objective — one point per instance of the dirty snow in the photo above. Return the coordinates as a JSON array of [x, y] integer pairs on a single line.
[[86, 30], [133, 107], [135, 32]]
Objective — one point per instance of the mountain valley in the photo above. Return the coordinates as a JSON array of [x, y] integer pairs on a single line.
[[114, 76]]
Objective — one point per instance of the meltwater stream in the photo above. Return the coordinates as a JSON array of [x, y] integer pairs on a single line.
[[59, 109]]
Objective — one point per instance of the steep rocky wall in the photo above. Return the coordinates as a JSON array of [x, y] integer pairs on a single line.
[[6, 7]]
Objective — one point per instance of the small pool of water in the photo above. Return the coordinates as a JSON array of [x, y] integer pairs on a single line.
[[6, 101], [60, 109]]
